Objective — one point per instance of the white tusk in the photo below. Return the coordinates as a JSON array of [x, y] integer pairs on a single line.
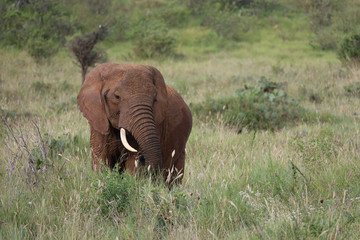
[[173, 153], [136, 163], [125, 142]]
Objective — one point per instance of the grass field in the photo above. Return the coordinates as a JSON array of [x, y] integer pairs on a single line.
[[298, 182]]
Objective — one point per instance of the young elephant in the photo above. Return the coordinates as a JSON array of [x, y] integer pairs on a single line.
[[136, 120]]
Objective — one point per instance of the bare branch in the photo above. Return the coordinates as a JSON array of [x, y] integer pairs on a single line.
[[22, 144]]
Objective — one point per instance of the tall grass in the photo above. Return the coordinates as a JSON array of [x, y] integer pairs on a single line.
[[300, 181]]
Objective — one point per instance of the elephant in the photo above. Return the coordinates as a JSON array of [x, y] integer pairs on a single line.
[[136, 120]]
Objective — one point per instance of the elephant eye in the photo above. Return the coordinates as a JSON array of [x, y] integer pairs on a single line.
[[117, 96]]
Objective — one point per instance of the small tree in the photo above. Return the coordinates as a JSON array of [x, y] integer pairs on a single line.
[[83, 47]]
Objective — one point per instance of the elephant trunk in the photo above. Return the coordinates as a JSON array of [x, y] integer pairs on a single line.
[[143, 129]]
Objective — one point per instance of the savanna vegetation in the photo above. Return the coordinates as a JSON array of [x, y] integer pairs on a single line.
[[274, 87]]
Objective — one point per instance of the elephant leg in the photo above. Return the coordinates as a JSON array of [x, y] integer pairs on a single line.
[[179, 167], [97, 144]]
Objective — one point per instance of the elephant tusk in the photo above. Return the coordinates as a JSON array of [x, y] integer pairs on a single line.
[[173, 153], [136, 163], [125, 142]]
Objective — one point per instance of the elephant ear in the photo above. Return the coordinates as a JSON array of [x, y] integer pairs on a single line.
[[90, 103], [161, 103]]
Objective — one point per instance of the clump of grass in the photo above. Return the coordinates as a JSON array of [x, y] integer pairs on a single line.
[[353, 89], [13, 114], [116, 192], [54, 147], [127, 198], [265, 106], [316, 152], [40, 86]]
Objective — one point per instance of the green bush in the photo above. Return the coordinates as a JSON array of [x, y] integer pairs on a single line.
[[173, 13], [38, 26], [349, 50], [152, 39], [226, 25], [116, 192], [225, 21], [330, 20], [266, 106], [325, 35]]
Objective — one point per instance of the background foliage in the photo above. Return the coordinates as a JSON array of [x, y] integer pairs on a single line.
[[38, 26], [42, 27]]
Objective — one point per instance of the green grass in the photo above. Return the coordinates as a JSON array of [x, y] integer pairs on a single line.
[[299, 182]]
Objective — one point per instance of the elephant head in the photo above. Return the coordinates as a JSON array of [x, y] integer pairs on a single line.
[[130, 98]]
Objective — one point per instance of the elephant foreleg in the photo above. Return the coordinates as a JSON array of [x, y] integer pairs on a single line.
[[97, 149], [180, 167]]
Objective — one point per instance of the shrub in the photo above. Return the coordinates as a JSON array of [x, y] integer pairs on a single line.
[[172, 13], [152, 39], [38, 26], [266, 106], [321, 18], [226, 25], [330, 20], [116, 191], [265, 7], [349, 50], [199, 5], [99, 7], [225, 21], [235, 3]]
